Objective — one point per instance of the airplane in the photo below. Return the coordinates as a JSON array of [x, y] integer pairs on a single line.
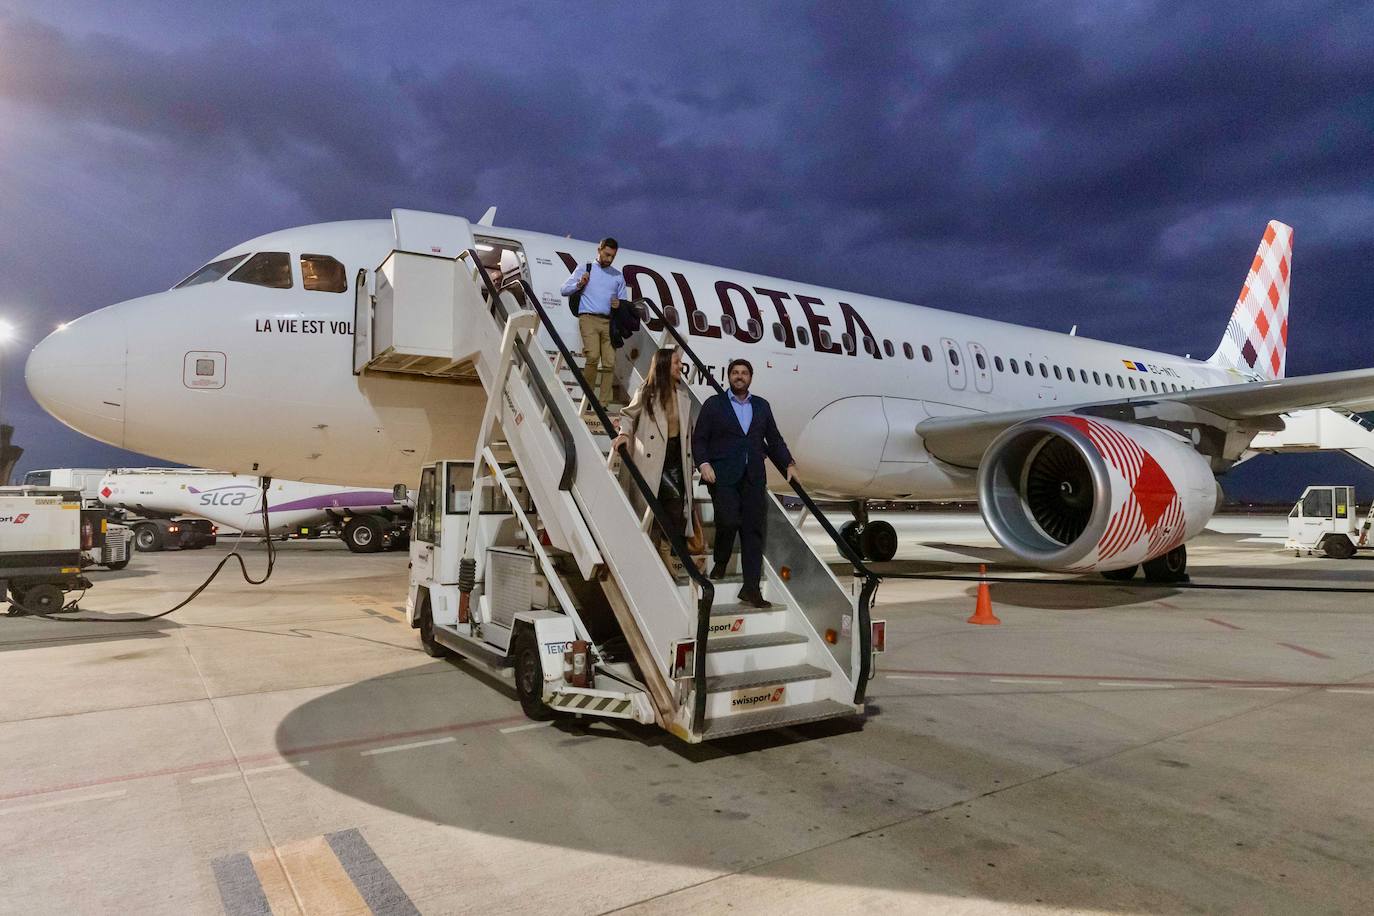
[[1084, 455], [368, 519]]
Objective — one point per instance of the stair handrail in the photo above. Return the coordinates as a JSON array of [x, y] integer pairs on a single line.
[[871, 579], [675, 539], [565, 482]]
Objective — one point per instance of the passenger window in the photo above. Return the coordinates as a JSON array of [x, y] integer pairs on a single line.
[[754, 329], [908, 351], [823, 338], [978, 358], [1154, 386], [847, 341], [1109, 380], [1120, 382], [887, 348], [1133, 383], [266, 268], [727, 324], [1096, 379], [323, 274], [997, 361], [212, 271], [777, 331], [925, 351], [1070, 372], [1057, 374], [953, 356], [804, 337], [1044, 373], [1015, 367], [870, 346]]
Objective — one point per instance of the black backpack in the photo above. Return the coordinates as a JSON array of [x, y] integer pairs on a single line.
[[575, 300]]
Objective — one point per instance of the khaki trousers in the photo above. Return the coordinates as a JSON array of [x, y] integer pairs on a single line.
[[600, 355]]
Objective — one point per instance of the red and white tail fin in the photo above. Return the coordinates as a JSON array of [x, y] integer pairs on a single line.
[[1256, 340]]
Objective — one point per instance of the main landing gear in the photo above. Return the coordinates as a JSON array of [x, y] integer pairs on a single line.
[[871, 540], [1168, 569]]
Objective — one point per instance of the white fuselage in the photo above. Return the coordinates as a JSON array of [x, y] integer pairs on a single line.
[[235, 501], [282, 399]]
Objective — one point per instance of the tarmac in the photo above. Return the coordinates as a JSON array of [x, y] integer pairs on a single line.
[[1114, 748]]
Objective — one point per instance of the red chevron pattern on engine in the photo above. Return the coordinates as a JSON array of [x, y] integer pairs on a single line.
[[1152, 508]]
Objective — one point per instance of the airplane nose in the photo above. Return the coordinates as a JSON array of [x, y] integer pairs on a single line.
[[77, 373]]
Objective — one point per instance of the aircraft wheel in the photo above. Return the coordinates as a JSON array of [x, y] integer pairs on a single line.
[[852, 532], [148, 538], [1172, 567], [879, 540], [363, 535], [1119, 575], [529, 677], [1338, 547]]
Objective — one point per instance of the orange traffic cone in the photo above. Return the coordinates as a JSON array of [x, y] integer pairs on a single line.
[[982, 611]]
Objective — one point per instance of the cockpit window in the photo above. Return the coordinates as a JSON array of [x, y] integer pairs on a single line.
[[323, 273], [266, 268], [212, 271]]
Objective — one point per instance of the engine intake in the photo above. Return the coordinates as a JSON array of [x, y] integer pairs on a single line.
[[1080, 493]]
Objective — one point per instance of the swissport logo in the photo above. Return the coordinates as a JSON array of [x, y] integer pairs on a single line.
[[757, 696], [19, 519], [727, 625]]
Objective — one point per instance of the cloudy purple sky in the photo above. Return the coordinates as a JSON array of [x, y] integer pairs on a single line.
[[1109, 165]]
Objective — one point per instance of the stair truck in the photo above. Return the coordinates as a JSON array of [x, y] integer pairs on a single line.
[[1325, 519], [534, 553]]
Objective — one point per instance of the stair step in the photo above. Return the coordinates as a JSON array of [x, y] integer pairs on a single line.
[[736, 609], [777, 717], [761, 641], [722, 683]]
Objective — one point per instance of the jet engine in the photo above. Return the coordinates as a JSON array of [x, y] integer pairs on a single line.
[[1083, 494]]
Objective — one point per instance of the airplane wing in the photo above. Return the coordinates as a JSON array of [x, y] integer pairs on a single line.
[[962, 440]]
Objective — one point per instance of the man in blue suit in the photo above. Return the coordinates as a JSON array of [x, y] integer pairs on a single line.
[[733, 436]]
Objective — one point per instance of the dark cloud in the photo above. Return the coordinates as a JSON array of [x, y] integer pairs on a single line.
[[1110, 165]]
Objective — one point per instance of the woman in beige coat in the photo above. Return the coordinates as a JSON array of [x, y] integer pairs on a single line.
[[658, 422]]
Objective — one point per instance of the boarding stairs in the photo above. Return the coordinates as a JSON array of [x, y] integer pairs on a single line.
[[682, 651]]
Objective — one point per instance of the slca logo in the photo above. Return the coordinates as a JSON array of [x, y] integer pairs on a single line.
[[19, 519], [733, 626], [758, 696]]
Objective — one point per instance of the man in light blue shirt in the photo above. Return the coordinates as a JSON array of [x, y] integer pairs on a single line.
[[600, 290]]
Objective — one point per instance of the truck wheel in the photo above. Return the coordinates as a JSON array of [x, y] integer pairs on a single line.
[[1338, 546], [529, 677], [363, 535], [41, 599], [1119, 575], [1171, 567], [119, 565], [148, 538], [879, 540], [432, 648]]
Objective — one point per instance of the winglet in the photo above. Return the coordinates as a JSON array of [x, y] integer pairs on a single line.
[[1256, 339], [488, 217]]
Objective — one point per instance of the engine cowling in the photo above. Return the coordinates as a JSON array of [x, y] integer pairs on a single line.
[[1083, 494]]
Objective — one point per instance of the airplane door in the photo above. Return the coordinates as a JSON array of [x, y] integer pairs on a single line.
[[955, 370], [982, 372]]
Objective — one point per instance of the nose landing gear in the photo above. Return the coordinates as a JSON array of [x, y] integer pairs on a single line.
[[871, 540]]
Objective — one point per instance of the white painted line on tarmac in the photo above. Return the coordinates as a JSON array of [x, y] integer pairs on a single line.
[[290, 765], [524, 728], [58, 802], [406, 747], [1023, 680], [1348, 690], [1132, 684], [919, 677], [1234, 687]]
